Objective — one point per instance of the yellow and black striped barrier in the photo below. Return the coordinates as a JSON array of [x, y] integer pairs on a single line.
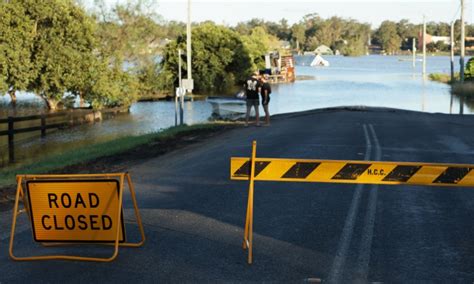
[[368, 172], [334, 171]]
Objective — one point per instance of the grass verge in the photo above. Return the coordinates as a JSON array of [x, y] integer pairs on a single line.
[[143, 145]]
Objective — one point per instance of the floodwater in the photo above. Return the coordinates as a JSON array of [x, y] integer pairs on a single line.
[[382, 81]]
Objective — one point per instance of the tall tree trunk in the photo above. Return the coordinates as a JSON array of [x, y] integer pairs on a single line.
[[12, 94], [52, 104]]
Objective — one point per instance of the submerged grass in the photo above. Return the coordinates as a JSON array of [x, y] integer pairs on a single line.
[[466, 89], [90, 152], [443, 78], [463, 89]]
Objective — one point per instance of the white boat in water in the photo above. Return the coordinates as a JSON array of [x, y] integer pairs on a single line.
[[319, 61], [228, 108]]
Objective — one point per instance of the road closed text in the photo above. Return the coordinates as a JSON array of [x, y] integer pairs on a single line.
[[70, 222], [75, 210]]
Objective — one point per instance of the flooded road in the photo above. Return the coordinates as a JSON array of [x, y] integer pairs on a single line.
[[382, 81]]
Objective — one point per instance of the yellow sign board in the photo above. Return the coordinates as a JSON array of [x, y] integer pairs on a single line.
[[75, 210]]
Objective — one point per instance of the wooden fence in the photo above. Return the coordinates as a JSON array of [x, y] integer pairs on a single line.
[[43, 126], [56, 120]]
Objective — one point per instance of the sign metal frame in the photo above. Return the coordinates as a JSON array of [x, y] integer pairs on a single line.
[[20, 194]]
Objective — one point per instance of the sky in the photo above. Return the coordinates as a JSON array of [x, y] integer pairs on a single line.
[[230, 12]]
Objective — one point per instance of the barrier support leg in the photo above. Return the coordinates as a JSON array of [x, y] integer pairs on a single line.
[[15, 213], [245, 243], [248, 232], [137, 215]]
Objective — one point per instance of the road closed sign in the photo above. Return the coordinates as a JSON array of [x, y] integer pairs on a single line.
[[75, 210]]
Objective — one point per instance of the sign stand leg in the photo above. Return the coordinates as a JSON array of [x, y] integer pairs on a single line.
[[248, 232], [15, 213], [137, 215]]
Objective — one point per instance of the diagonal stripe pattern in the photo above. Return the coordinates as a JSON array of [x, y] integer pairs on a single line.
[[368, 172]]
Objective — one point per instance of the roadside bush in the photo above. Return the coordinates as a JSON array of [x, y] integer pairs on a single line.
[[469, 72]]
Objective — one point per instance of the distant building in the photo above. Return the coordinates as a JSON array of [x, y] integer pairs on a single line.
[[444, 39], [323, 50], [469, 43], [432, 39]]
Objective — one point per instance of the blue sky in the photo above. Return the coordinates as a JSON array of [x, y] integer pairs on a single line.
[[374, 12]]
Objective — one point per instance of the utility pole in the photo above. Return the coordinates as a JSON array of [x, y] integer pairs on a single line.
[[188, 44], [184, 84], [413, 51], [178, 92], [452, 52], [461, 60], [424, 46]]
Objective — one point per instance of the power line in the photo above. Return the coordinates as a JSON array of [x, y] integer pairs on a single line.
[[457, 12]]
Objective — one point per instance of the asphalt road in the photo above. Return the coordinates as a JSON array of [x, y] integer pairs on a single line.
[[194, 215]]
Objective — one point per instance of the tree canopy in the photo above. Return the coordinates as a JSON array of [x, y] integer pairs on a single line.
[[51, 48], [219, 59], [17, 32], [387, 36]]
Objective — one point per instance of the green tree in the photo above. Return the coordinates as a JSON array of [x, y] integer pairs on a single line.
[[387, 36], [298, 34], [111, 88], [284, 30], [245, 28], [356, 38], [258, 43], [407, 31], [220, 59], [131, 36], [16, 40], [438, 29], [469, 72], [63, 41]]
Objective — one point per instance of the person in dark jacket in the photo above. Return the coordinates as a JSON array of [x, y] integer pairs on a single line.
[[252, 88], [265, 91]]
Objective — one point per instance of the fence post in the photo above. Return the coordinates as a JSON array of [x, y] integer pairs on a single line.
[[11, 144], [43, 125]]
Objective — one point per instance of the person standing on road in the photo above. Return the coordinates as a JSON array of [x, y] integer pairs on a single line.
[[252, 88], [265, 91]]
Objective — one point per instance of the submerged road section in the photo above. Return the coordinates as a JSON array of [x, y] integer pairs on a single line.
[[194, 214]]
